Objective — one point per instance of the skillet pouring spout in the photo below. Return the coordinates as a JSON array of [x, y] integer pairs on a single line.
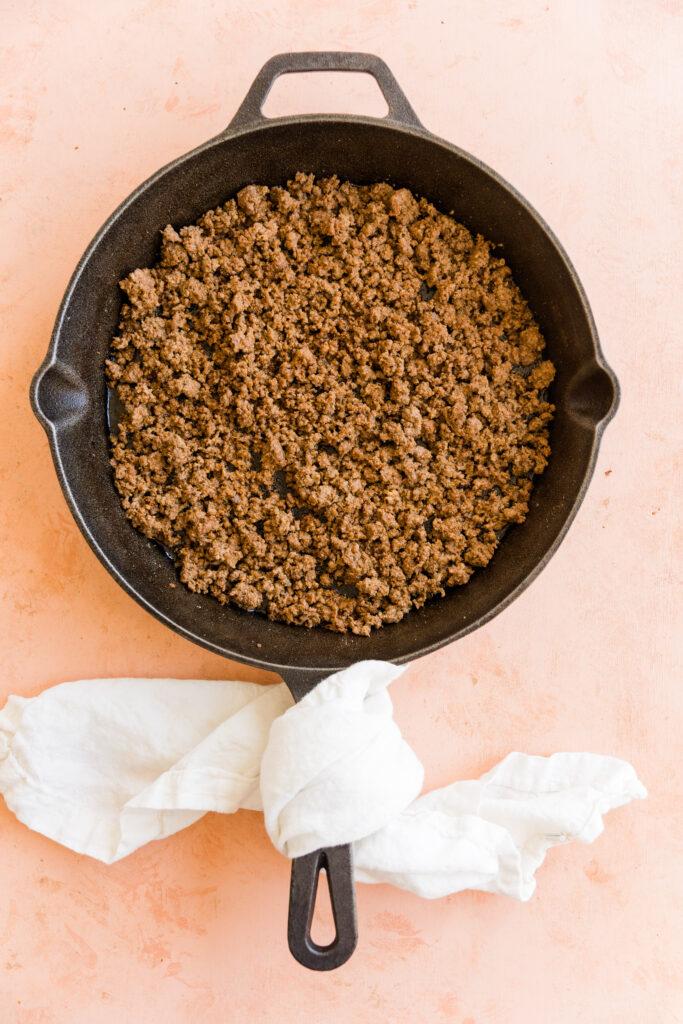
[[593, 394]]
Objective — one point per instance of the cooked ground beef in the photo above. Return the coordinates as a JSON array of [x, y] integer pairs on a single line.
[[332, 402]]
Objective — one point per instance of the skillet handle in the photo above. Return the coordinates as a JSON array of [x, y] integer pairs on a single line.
[[249, 113], [337, 862]]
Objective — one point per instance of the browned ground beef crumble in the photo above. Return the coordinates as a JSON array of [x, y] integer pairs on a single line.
[[333, 402]]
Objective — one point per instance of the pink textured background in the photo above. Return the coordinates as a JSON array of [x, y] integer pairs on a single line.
[[576, 105]]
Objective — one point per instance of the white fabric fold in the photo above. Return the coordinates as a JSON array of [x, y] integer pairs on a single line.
[[492, 834], [104, 766]]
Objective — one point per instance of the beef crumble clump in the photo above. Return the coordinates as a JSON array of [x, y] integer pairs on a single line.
[[333, 402]]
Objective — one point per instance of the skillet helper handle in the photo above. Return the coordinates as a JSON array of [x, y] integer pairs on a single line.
[[249, 113], [337, 862]]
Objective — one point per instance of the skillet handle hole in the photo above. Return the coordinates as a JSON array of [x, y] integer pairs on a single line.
[[330, 92], [323, 929]]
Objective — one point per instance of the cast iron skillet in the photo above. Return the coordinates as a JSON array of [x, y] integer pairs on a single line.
[[69, 397]]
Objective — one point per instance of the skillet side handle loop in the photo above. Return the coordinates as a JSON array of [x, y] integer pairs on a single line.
[[249, 113], [337, 861]]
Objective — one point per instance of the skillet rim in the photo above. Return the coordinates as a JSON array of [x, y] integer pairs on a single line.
[[264, 125]]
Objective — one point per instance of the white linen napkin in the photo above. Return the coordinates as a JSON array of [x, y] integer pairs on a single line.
[[103, 766]]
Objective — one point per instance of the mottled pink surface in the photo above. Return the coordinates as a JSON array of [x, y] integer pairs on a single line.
[[576, 105]]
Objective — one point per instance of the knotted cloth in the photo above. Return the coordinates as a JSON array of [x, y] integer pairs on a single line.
[[103, 766]]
